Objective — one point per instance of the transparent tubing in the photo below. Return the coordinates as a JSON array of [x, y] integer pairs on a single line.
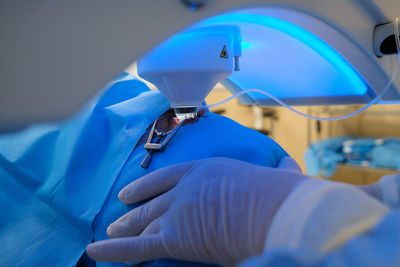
[[376, 99]]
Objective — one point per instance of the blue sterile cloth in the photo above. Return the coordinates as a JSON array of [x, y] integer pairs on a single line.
[[386, 155], [59, 182], [214, 136], [378, 247], [360, 148], [322, 157]]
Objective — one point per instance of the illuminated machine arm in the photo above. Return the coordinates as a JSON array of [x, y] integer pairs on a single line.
[[54, 56]]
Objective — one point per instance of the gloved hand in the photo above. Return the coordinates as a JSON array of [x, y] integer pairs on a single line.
[[386, 190], [213, 211]]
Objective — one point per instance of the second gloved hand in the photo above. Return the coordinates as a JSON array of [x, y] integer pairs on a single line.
[[213, 211]]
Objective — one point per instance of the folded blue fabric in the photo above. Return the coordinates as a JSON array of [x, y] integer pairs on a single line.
[[59, 182], [386, 156], [323, 157], [359, 149], [54, 179]]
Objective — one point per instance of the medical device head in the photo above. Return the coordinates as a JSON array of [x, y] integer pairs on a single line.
[[188, 65]]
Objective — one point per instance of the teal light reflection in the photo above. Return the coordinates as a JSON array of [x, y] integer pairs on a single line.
[[245, 45]]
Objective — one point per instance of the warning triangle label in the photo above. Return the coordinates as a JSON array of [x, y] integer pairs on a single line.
[[224, 52]]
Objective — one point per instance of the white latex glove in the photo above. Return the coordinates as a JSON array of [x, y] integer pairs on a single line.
[[386, 190], [214, 211]]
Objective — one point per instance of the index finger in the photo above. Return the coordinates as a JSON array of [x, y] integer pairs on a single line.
[[289, 164], [154, 183], [141, 248]]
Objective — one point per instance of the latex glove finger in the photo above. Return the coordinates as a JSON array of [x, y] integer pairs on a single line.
[[154, 183], [289, 164], [133, 222], [152, 228], [129, 249]]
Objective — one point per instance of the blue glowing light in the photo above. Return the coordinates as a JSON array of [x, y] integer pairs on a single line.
[[245, 45], [319, 46]]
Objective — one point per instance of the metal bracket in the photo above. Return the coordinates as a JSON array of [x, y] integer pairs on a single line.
[[158, 146]]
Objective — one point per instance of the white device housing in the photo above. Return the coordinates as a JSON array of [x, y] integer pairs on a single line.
[[188, 65]]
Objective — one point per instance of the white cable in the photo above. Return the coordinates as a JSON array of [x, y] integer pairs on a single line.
[[376, 99]]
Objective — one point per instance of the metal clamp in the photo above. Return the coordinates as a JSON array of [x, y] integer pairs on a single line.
[[157, 146]]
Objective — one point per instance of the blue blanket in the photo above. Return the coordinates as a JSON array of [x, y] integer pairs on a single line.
[[59, 182]]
